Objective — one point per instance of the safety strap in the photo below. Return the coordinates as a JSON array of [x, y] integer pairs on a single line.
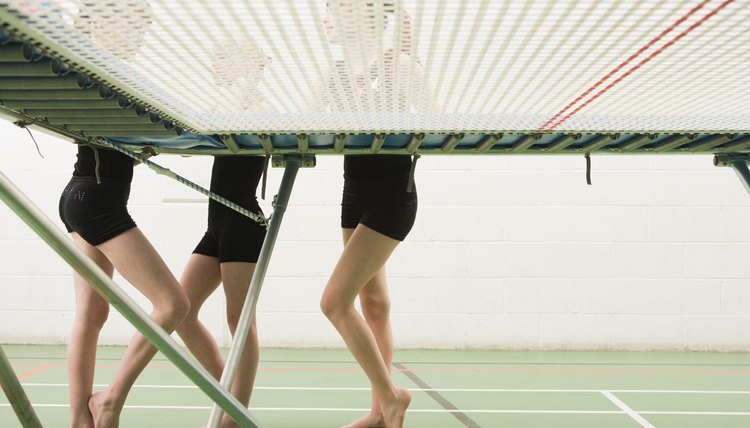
[[265, 176], [588, 169], [97, 164], [169, 173]]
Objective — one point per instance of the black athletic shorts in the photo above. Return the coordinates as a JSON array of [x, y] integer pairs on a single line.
[[382, 205], [96, 211], [232, 237]]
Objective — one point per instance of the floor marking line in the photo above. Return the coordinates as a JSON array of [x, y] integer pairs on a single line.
[[625, 408], [478, 411], [39, 369], [353, 388], [458, 414]]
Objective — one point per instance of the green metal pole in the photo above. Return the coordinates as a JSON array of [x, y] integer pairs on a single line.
[[103, 285], [16, 395], [293, 163], [739, 163]]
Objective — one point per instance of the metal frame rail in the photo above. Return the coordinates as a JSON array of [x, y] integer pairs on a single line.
[[98, 280], [291, 164], [16, 395]]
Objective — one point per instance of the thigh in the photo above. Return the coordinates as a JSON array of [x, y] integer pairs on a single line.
[[365, 253], [87, 299], [138, 262], [376, 289], [200, 278], [236, 277]]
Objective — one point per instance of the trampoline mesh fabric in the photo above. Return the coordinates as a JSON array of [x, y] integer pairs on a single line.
[[414, 65]]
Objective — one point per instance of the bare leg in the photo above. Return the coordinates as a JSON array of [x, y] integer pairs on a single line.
[[364, 255], [91, 313], [200, 279], [376, 307], [202, 276], [236, 278], [139, 263]]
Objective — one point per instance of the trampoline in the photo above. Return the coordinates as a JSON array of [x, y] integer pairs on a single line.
[[451, 78]]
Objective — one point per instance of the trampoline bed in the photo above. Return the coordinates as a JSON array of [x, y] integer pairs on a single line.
[[293, 80]]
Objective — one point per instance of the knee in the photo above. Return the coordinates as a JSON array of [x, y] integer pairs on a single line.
[[181, 307], [188, 323], [332, 307], [176, 309], [375, 309], [96, 316]]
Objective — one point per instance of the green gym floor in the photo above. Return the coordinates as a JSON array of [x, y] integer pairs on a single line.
[[325, 388]]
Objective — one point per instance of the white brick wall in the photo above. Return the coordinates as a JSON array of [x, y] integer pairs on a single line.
[[507, 252]]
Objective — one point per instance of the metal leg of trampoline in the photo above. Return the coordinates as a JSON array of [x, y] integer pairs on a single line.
[[292, 163], [16, 396], [100, 282], [739, 164]]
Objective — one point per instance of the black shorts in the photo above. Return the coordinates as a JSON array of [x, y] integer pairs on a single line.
[[232, 237], [96, 211], [386, 208]]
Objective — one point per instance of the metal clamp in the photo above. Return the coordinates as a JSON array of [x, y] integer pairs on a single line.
[[304, 160]]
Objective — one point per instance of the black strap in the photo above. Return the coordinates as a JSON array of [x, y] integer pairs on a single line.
[[265, 176], [588, 169]]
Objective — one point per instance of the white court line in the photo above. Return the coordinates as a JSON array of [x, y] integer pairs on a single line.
[[314, 388], [347, 409], [630, 412]]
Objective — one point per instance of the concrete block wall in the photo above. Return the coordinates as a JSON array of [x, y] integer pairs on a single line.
[[507, 252]]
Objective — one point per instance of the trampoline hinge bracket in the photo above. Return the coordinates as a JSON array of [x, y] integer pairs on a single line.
[[304, 160], [738, 162]]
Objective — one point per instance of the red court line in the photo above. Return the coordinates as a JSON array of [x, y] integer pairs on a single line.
[[39, 369], [637, 66]]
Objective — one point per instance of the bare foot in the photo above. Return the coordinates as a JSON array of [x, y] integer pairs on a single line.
[[394, 416], [228, 422], [371, 420], [103, 412]]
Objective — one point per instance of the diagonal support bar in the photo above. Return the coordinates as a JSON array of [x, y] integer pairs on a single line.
[[739, 164], [103, 285], [292, 164], [16, 396]]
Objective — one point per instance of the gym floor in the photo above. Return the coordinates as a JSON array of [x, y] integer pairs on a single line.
[[326, 388]]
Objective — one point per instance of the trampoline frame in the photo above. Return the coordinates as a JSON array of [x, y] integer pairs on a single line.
[[139, 117], [25, 209]]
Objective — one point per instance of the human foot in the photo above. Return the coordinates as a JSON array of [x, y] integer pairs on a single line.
[[371, 420], [228, 422], [396, 411], [103, 412]]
